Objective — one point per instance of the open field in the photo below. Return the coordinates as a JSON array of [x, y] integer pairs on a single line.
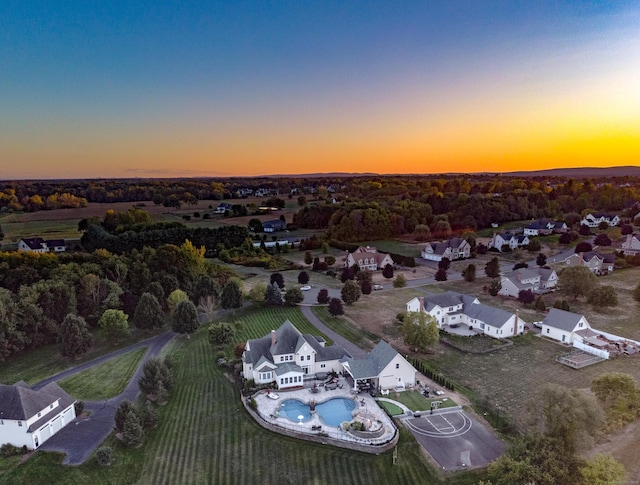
[[205, 436], [105, 380], [35, 365]]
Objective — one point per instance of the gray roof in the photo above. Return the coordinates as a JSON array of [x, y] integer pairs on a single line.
[[562, 319], [373, 363], [20, 403], [450, 298], [488, 314], [55, 242], [441, 247], [288, 367], [288, 340]]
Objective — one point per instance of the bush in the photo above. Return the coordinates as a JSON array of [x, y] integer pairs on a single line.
[[8, 450], [104, 456], [400, 281], [79, 407]]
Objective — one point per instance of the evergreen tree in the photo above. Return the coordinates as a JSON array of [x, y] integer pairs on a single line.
[[115, 324], [231, 296], [365, 287], [273, 295], [494, 287], [441, 275], [148, 312], [75, 338], [541, 260], [469, 273], [387, 271], [323, 296], [492, 268], [221, 333], [149, 415], [539, 305], [185, 318], [121, 414], [132, 434], [278, 278]]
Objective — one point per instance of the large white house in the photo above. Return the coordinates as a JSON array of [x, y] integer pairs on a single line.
[[452, 309], [454, 248], [286, 356], [631, 245], [597, 263], [595, 219], [367, 258], [544, 227], [501, 240], [561, 325], [39, 245], [29, 417], [538, 280], [384, 368]]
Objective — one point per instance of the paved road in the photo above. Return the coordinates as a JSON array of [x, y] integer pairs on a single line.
[[80, 438], [353, 349]]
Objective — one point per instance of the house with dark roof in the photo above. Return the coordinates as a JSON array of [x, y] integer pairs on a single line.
[[30, 417], [598, 263], [561, 325], [454, 248], [274, 225], [596, 218], [538, 280], [33, 245], [287, 356], [512, 241], [367, 258], [56, 245], [631, 245], [544, 227], [383, 368], [452, 309]]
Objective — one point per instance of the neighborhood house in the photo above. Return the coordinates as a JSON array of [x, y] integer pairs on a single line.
[[451, 309], [39, 245], [595, 219], [538, 280], [454, 248], [507, 240], [631, 245], [544, 227], [286, 356], [600, 264], [29, 417], [273, 226], [367, 258]]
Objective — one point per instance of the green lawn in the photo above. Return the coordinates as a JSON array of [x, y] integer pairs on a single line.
[[105, 380], [392, 409], [359, 336], [35, 365], [205, 436], [417, 402], [258, 321]]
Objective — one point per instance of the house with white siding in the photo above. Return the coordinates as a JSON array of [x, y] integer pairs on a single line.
[[631, 245], [33, 245], [598, 263], [286, 356], [512, 241], [544, 227], [452, 309], [30, 417], [384, 368], [454, 248], [538, 280], [595, 219], [367, 258], [561, 325]]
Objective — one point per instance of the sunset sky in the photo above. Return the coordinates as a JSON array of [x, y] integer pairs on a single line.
[[205, 88]]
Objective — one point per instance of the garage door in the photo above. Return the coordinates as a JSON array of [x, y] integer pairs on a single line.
[[387, 382], [66, 417], [45, 433], [56, 425]]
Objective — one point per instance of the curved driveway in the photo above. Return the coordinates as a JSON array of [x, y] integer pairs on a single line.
[[81, 437], [353, 349]]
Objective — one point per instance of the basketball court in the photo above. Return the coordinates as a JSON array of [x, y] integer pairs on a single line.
[[455, 440]]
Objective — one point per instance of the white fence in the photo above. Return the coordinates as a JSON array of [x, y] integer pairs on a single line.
[[603, 354]]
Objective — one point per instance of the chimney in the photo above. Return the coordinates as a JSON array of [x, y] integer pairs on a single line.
[[273, 337], [421, 301]]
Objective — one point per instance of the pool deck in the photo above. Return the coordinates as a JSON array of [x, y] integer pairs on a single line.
[[366, 409]]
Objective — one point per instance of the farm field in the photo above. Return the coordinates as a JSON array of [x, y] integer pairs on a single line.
[[205, 436], [105, 380]]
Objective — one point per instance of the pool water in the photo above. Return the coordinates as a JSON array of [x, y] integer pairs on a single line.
[[333, 412]]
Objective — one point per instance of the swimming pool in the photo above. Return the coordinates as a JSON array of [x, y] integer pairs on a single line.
[[332, 412]]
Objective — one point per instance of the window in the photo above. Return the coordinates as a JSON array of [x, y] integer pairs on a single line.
[[51, 406], [322, 366], [1, 422], [281, 358], [308, 357], [397, 366], [547, 330], [39, 414], [20, 423]]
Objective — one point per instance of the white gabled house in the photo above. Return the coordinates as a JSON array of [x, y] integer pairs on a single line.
[[452, 309], [33, 245], [512, 241], [538, 280], [454, 248], [631, 245], [544, 227], [286, 356], [595, 219], [367, 258], [561, 325], [30, 417], [384, 368]]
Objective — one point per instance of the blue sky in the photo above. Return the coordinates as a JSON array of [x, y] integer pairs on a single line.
[[109, 89]]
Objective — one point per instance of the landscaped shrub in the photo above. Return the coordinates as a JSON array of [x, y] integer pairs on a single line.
[[8, 450], [79, 407], [104, 456]]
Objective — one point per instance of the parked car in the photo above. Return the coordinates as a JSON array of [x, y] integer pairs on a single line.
[[378, 287], [305, 288]]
